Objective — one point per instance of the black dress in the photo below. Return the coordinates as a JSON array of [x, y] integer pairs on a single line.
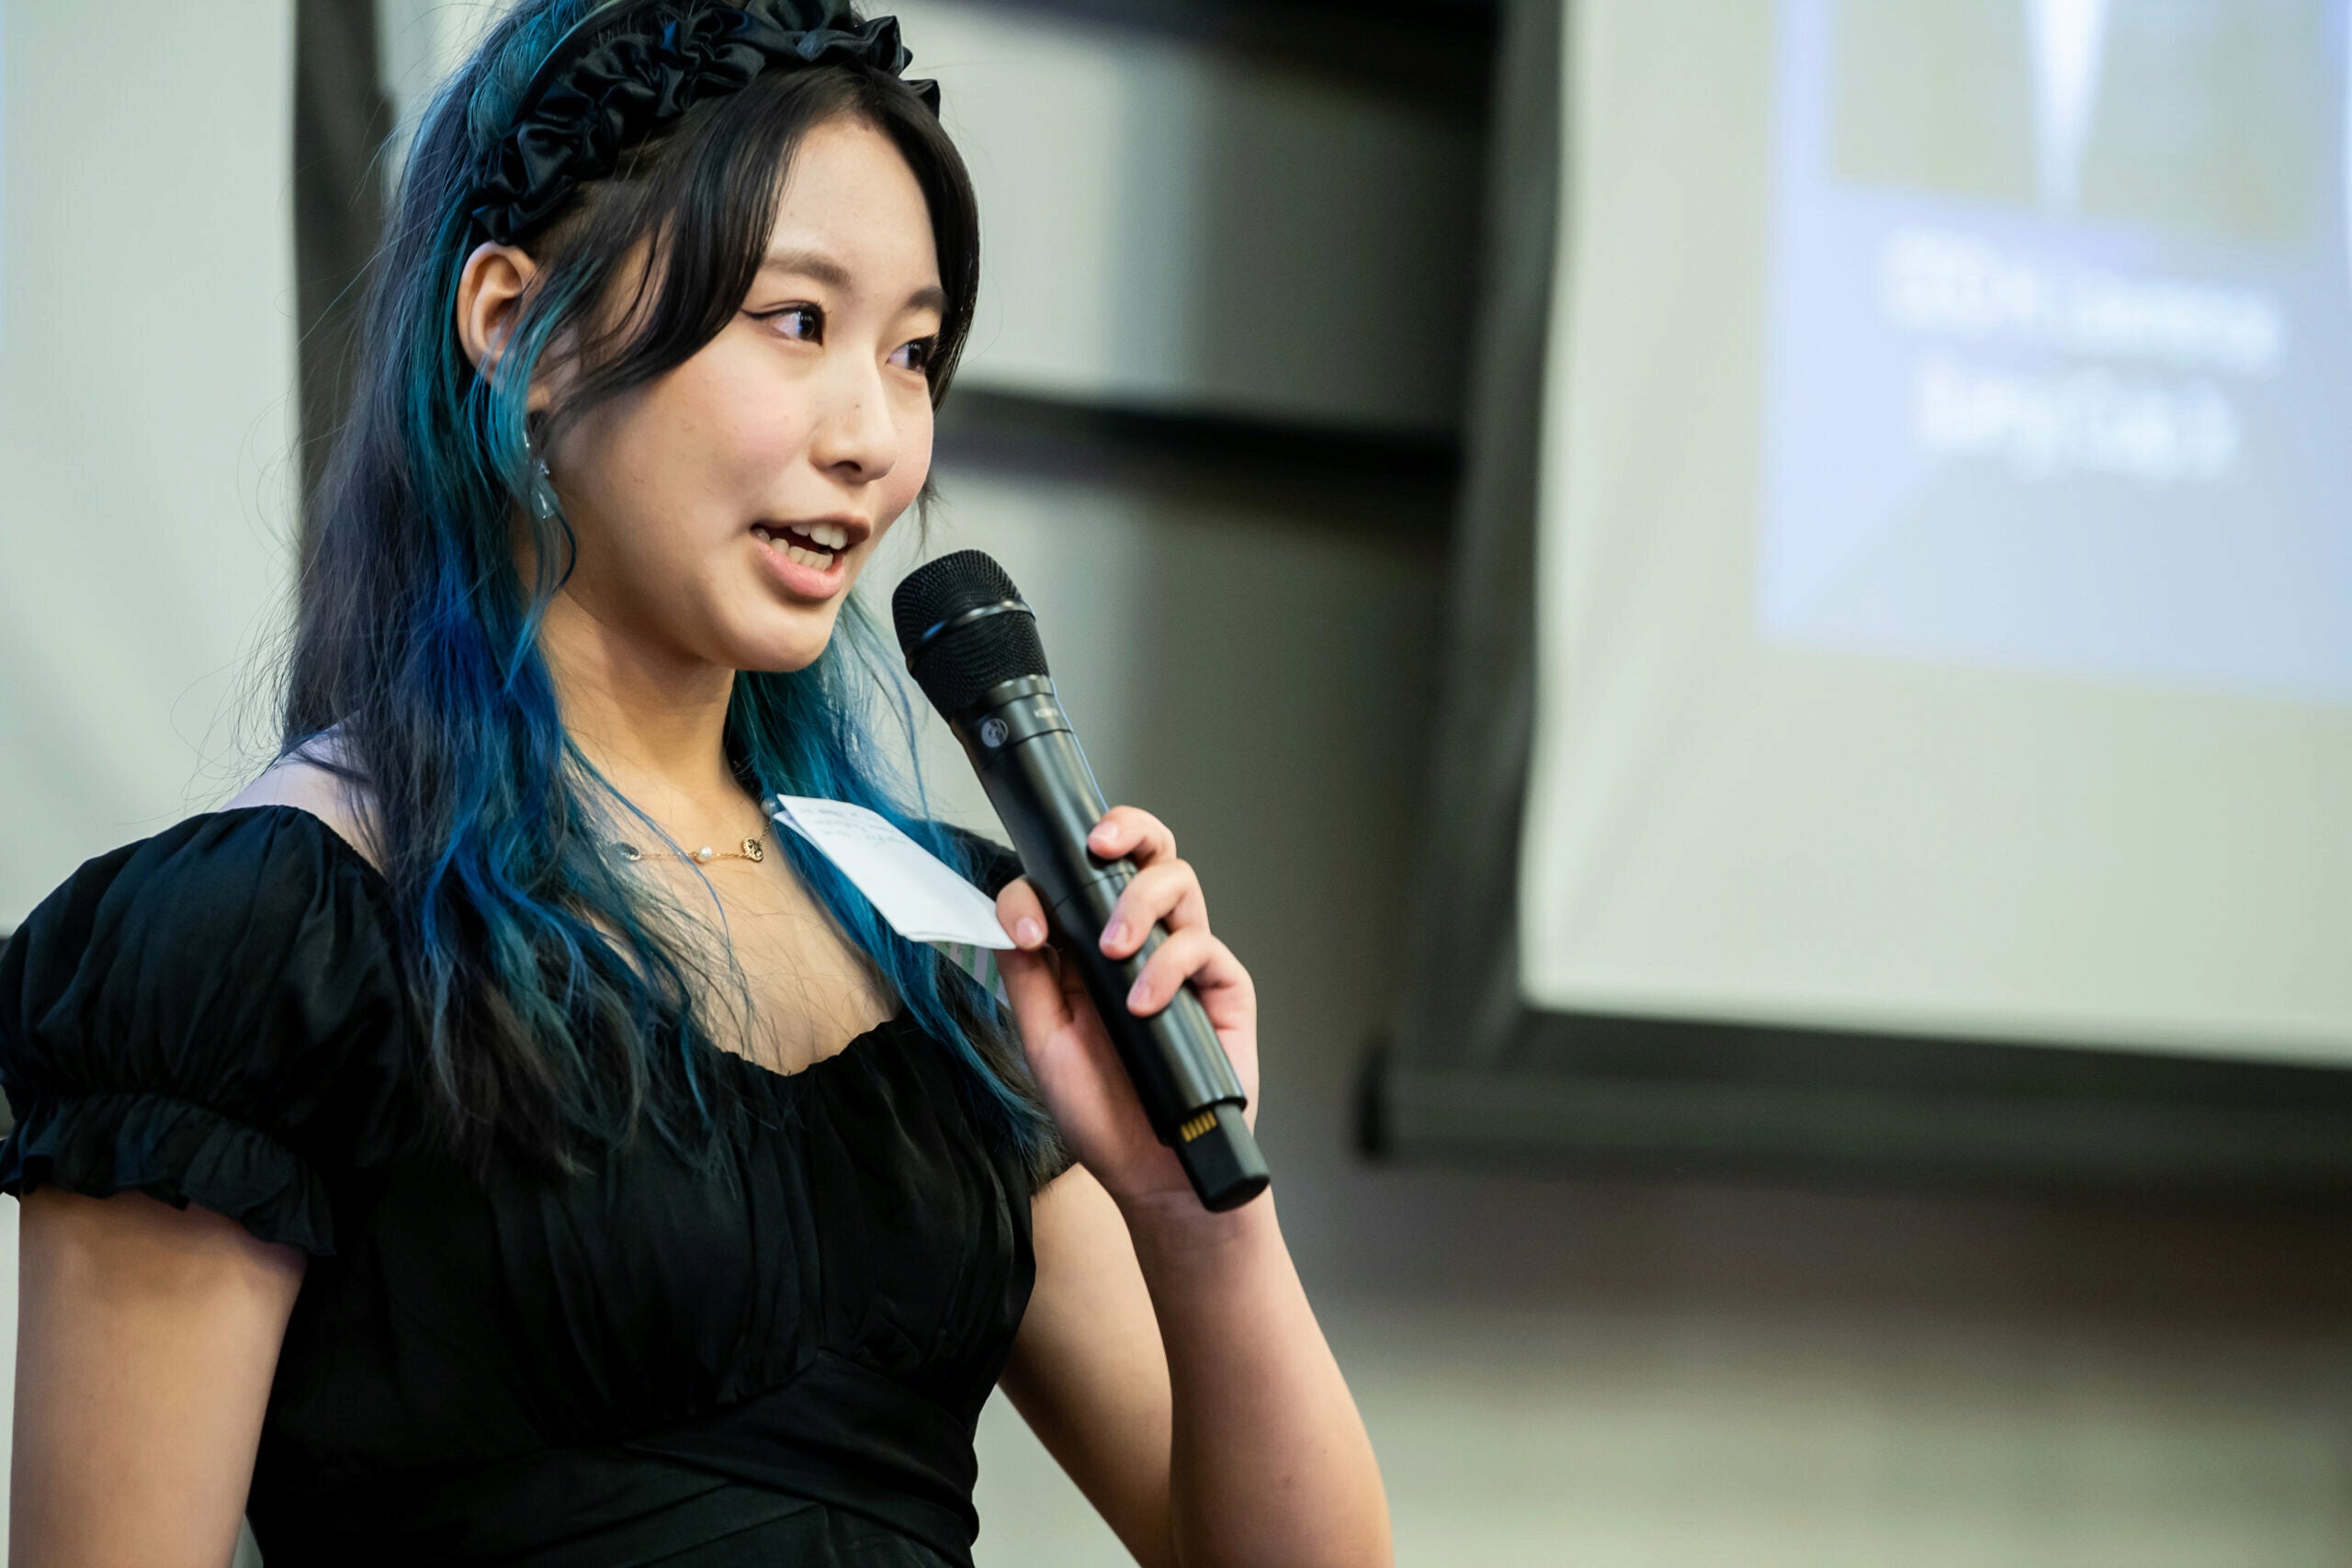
[[784, 1365]]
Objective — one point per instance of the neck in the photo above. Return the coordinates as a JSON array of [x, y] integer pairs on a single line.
[[653, 721]]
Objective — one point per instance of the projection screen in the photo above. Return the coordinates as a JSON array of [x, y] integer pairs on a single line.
[[1940, 568], [1948, 601]]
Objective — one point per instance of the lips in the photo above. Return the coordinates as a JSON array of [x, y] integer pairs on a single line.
[[805, 559]]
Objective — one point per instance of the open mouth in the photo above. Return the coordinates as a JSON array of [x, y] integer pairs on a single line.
[[813, 545]]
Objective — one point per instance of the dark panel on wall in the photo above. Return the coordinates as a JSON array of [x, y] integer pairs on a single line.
[[1377, 481], [340, 120], [1437, 50], [1663, 1097]]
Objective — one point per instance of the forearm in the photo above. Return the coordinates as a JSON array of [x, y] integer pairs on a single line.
[[1270, 1462]]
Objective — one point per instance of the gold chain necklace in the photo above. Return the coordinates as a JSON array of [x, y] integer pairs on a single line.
[[752, 850]]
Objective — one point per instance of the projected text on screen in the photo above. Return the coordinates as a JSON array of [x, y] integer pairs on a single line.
[[2060, 374]]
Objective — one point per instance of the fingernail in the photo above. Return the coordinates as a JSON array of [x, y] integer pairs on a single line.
[[1138, 995], [1103, 833], [1115, 935], [1027, 931]]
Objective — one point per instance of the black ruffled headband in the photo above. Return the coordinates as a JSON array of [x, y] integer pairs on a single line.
[[631, 67]]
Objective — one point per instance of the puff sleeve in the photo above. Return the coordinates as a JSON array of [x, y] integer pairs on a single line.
[[211, 1016]]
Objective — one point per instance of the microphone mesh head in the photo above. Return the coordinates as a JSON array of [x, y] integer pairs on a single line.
[[956, 668]]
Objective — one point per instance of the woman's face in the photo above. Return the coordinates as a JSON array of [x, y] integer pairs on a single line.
[[724, 510]]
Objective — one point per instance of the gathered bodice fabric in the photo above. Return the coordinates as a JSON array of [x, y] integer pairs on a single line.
[[783, 1362]]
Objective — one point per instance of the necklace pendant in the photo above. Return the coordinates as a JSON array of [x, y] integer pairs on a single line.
[[703, 854], [752, 850]]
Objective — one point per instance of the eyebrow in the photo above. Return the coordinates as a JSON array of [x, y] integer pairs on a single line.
[[832, 274]]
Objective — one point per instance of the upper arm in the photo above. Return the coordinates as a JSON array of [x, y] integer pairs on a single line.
[[195, 1035], [1088, 1370], [147, 1336]]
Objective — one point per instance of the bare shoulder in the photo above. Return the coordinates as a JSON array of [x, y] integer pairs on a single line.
[[314, 779]]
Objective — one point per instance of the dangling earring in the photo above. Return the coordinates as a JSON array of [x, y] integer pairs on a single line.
[[542, 482]]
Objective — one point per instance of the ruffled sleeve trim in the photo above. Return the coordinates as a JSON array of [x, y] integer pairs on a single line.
[[103, 1142]]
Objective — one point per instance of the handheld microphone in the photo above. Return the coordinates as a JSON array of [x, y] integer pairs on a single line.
[[972, 645]]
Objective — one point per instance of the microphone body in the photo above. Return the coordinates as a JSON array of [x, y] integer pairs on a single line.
[[1036, 776]]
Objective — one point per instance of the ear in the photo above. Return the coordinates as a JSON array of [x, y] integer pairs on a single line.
[[490, 291]]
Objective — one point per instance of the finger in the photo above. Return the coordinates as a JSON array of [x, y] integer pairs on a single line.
[[1033, 985], [1021, 914], [1131, 831], [1166, 890], [1191, 955]]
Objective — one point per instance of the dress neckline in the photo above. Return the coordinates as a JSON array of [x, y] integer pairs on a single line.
[[374, 879]]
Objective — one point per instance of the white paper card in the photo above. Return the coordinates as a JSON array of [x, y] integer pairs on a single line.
[[913, 889]]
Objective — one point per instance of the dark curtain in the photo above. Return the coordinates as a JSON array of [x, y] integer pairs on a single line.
[[342, 119], [1463, 1008]]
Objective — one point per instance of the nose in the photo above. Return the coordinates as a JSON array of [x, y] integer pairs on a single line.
[[856, 436]]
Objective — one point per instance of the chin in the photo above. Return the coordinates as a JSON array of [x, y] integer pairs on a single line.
[[782, 655]]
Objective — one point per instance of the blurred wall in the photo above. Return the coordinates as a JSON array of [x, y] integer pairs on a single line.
[[1168, 224], [1558, 1370], [146, 382]]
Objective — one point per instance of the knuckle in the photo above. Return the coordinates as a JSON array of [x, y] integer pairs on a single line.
[[1150, 831]]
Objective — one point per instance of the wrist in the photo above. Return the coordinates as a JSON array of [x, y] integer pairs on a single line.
[[1173, 1226]]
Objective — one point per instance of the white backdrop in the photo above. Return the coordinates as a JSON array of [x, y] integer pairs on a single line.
[[146, 374]]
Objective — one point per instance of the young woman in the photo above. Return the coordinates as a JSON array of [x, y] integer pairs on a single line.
[[485, 1140]]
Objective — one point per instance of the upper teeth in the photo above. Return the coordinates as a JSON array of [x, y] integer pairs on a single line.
[[832, 537]]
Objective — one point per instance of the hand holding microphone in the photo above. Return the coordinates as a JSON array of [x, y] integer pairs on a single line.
[[1172, 1013], [1092, 1094]]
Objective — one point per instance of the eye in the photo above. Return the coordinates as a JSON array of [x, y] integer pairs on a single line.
[[924, 348], [812, 315]]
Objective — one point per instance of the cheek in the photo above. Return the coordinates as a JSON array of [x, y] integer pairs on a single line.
[[735, 430], [690, 459], [904, 481]]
